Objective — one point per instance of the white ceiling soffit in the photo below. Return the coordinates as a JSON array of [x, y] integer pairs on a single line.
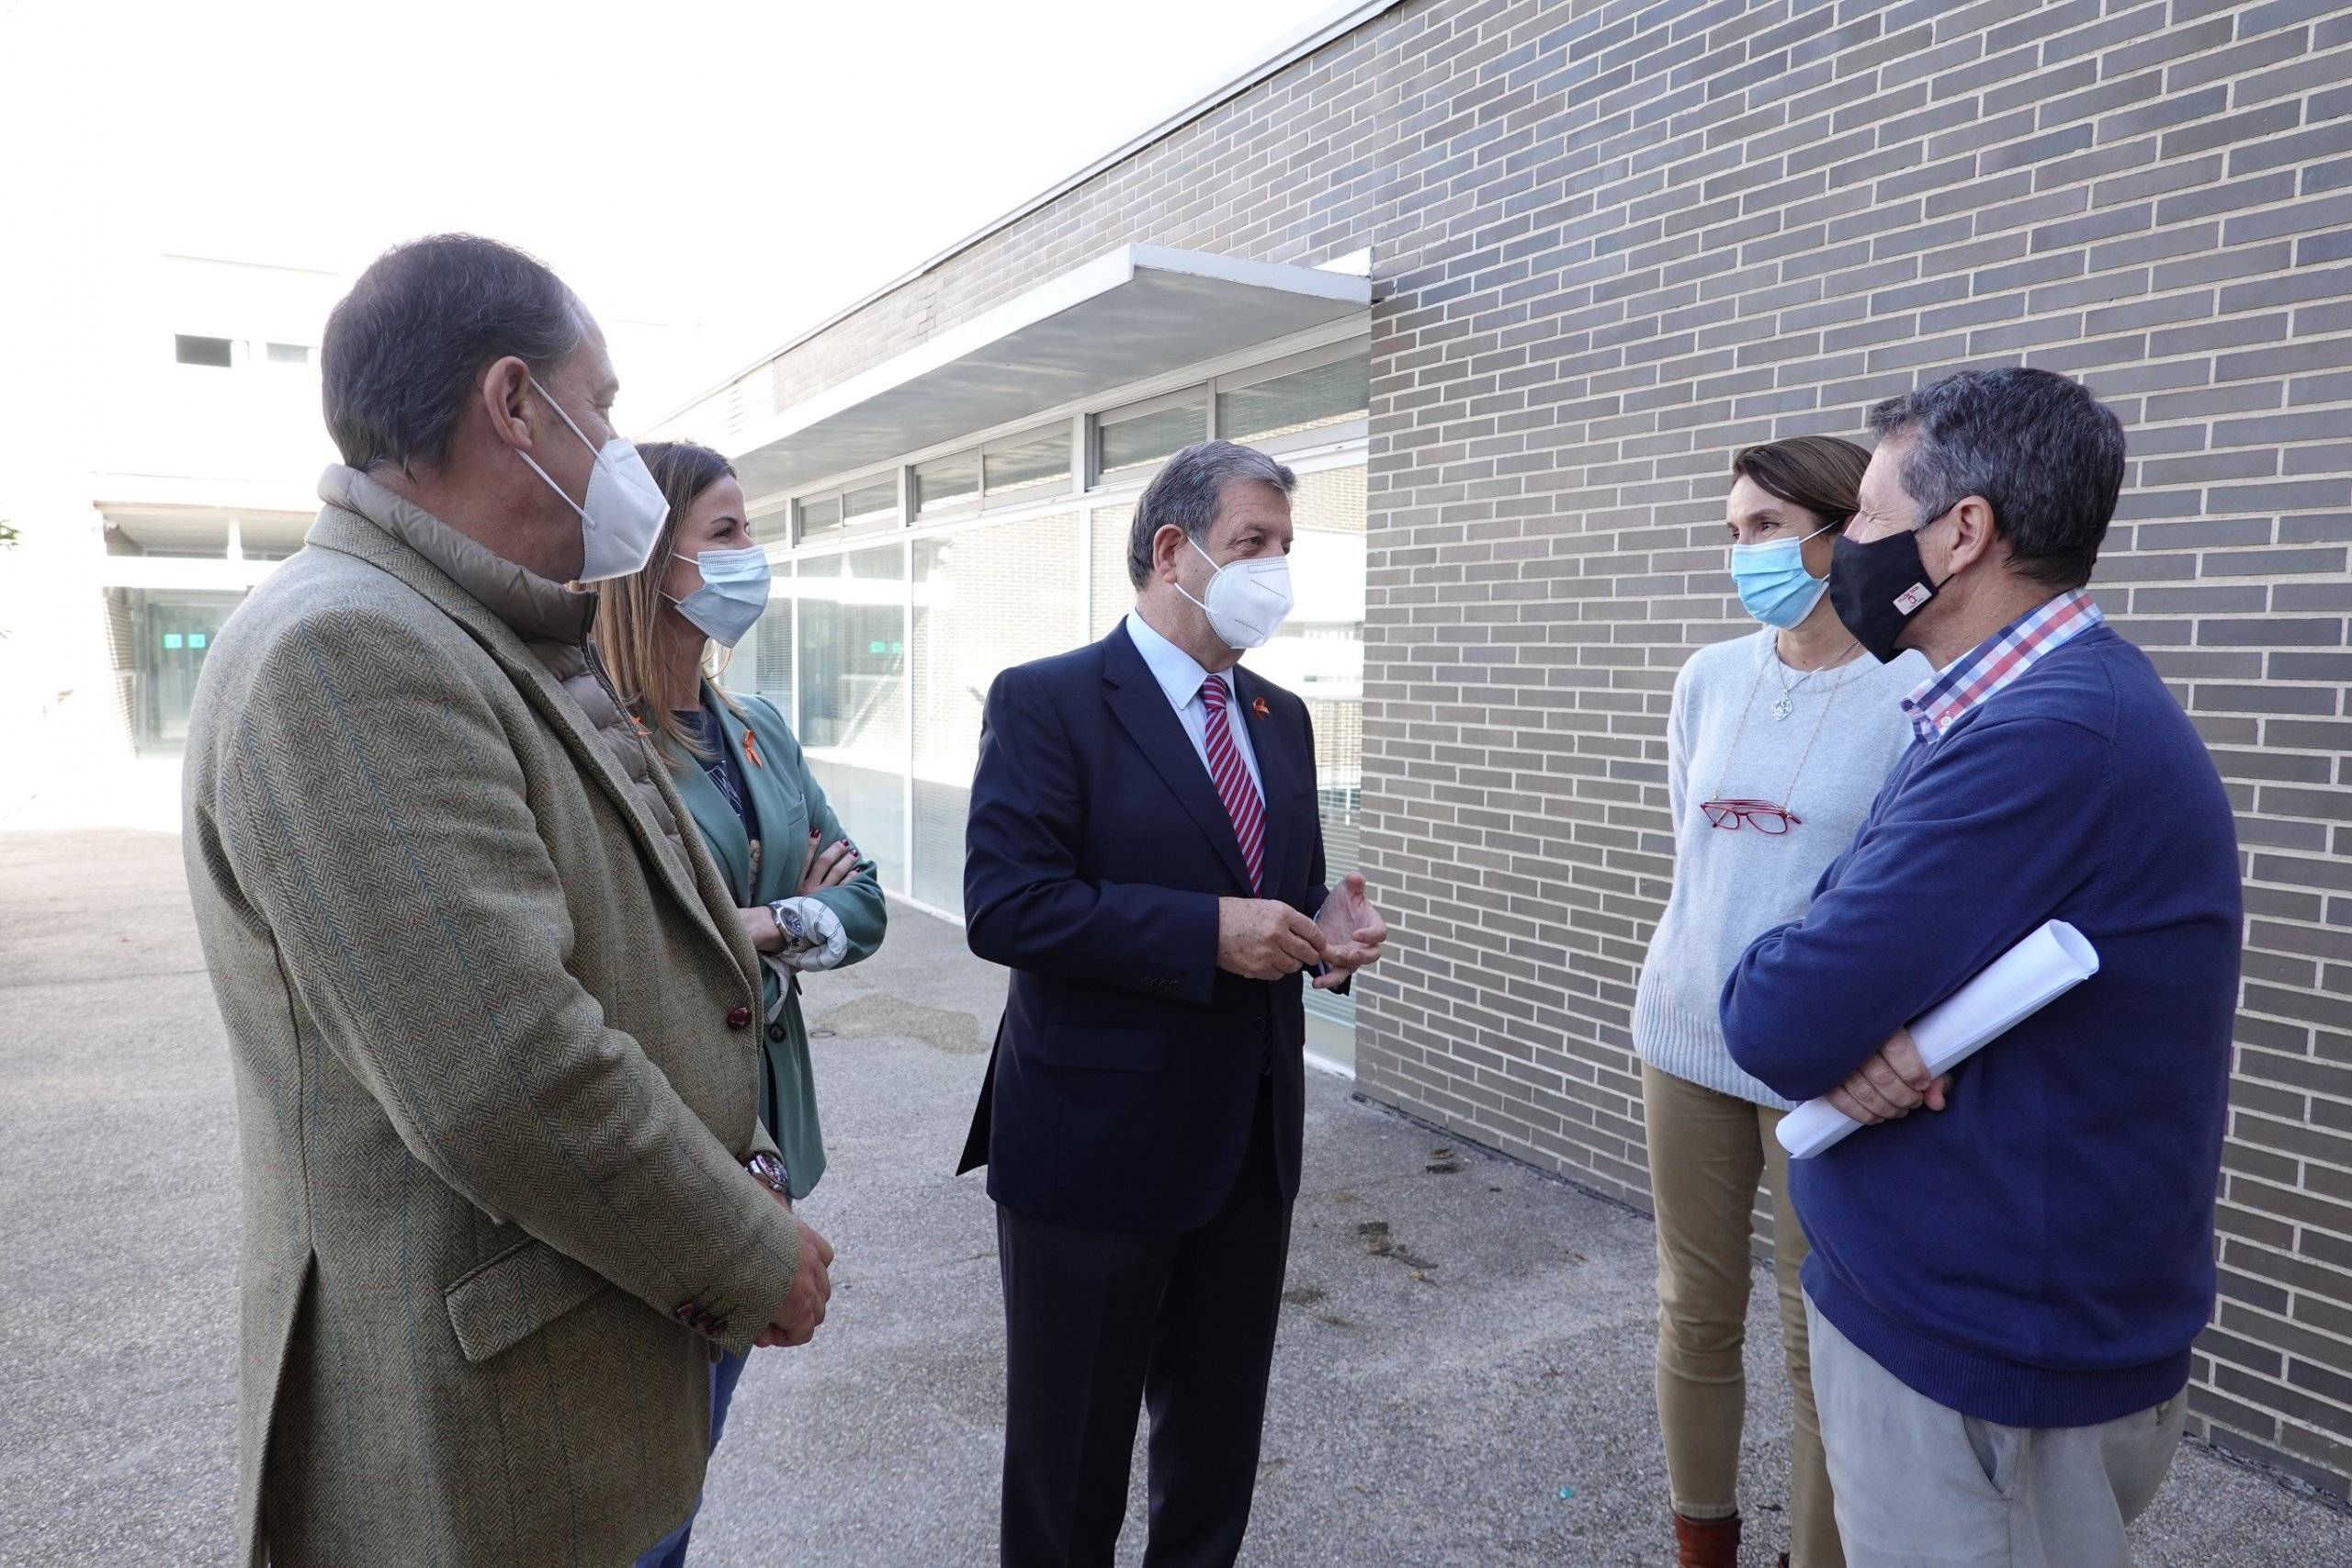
[[1139, 311]]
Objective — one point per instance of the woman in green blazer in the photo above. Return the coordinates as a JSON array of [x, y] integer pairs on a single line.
[[808, 901]]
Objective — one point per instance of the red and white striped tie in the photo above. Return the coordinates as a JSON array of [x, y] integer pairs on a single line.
[[1233, 783]]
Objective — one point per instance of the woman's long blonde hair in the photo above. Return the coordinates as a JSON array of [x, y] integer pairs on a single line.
[[628, 609]]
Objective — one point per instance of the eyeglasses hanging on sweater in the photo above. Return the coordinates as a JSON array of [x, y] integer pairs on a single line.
[[1733, 813]]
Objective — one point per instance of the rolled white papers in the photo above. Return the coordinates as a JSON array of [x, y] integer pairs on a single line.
[[2021, 982]]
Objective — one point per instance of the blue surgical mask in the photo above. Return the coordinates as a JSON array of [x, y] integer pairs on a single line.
[[734, 592], [1774, 583]]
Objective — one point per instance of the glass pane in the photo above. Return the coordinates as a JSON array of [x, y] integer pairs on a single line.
[[1034, 464], [290, 354], [1319, 655], [1113, 594], [774, 529], [885, 564], [1125, 446], [1304, 399], [851, 666], [771, 644], [947, 481], [869, 503], [985, 599], [162, 636], [820, 517], [212, 351]]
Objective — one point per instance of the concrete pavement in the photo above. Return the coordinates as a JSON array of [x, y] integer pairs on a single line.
[[1463, 1375]]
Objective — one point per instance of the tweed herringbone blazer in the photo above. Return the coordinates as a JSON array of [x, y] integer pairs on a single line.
[[495, 1073]]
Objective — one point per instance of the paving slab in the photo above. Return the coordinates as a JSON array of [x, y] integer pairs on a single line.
[[1462, 1376]]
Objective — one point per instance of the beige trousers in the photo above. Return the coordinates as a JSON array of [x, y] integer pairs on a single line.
[[1708, 1152]]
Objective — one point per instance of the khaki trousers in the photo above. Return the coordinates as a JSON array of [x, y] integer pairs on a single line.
[[1708, 1154]]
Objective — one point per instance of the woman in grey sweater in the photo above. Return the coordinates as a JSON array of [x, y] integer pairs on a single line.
[[1777, 743]]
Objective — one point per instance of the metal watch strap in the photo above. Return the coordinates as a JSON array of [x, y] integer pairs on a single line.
[[770, 1173]]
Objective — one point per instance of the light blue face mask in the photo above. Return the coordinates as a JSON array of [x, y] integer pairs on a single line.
[[734, 592], [1772, 582]]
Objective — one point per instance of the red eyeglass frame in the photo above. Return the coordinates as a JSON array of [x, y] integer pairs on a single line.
[[1734, 815]]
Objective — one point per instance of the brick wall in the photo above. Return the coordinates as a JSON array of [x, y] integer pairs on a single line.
[[1624, 239], [1614, 241]]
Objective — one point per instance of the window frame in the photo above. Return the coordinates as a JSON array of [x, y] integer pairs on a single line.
[[1357, 429], [1201, 391], [1032, 435]]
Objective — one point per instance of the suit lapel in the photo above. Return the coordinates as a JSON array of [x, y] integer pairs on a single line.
[[373, 544], [587, 747], [706, 891], [776, 805], [1141, 706], [1276, 772], [721, 829]]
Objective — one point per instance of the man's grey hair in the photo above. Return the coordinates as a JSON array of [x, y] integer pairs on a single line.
[[2047, 454], [404, 348], [1187, 490]]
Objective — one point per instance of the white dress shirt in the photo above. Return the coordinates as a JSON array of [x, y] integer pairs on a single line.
[[1180, 675]]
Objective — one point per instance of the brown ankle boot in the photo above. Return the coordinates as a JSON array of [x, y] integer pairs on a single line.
[[1707, 1543]]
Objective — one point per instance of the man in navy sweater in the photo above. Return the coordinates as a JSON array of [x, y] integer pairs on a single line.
[[2003, 1292]]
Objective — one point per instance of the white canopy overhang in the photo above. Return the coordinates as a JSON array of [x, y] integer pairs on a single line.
[[1136, 312]]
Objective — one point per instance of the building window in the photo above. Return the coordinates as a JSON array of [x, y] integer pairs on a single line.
[[947, 482], [1296, 402], [851, 666], [1132, 440], [1027, 466], [290, 354], [818, 518], [1318, 654], [867, 506], [212, 351], [871, 504], [768, 669], [984, 598], [1113, 595], [160, 638]]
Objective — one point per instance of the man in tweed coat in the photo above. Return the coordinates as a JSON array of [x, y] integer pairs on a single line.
[[488, 999]]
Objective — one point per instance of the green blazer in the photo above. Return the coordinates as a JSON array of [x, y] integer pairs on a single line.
[[786, 801]]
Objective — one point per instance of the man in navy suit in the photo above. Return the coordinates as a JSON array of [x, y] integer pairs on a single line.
[[1144, 856]]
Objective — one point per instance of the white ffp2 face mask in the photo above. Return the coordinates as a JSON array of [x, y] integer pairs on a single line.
[[1245, 600], [621, 520]]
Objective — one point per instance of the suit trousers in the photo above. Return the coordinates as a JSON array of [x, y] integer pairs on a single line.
[[1098, 1322]]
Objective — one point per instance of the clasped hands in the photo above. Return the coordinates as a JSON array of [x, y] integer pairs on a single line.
[[1891, 1084], [1265, 938]]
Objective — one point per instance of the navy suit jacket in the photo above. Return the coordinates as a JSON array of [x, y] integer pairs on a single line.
[[1127, 1065]]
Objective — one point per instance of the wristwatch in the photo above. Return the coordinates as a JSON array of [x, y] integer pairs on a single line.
[[769, 1172], [788, 921]]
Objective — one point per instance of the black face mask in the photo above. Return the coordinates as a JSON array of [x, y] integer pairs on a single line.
[[1877, 587]]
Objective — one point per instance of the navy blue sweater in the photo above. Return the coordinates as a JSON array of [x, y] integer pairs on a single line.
[[2040, 1253]]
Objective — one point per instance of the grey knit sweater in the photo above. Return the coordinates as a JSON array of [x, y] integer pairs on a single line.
[[1731, 886]]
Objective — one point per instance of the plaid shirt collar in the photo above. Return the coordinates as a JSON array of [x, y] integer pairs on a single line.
[[2000, 659]]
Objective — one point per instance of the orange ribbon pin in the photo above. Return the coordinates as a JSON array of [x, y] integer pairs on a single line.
[[752, 749], [1258, 706]]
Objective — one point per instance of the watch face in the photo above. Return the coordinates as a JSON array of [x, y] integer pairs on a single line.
[[794, 928]]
